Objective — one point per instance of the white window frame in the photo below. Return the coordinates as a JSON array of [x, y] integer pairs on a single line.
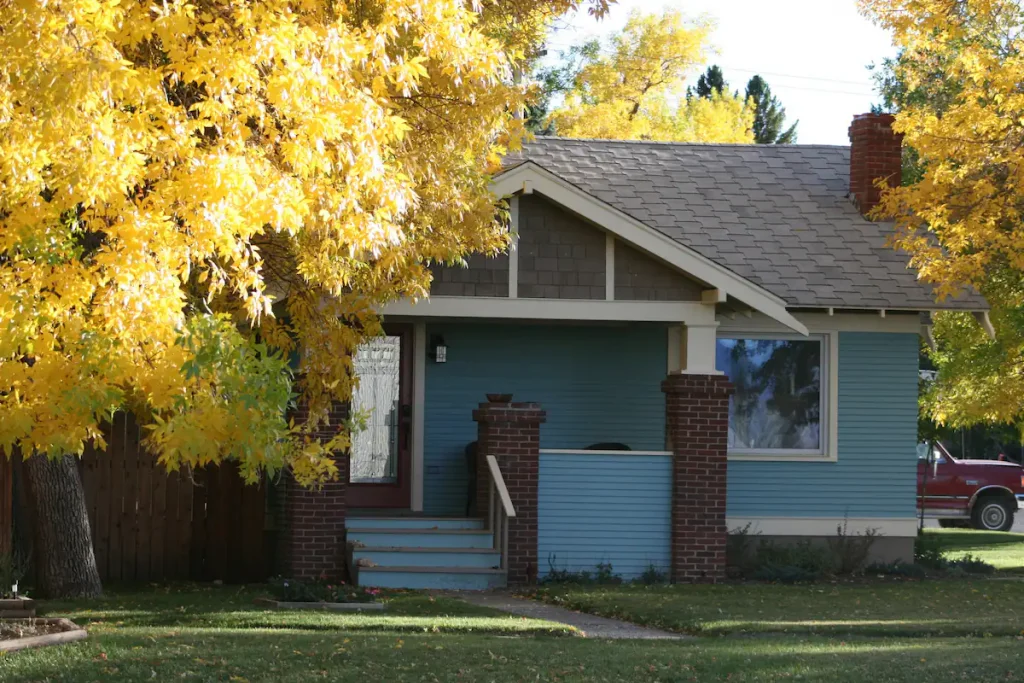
[[828, 428]]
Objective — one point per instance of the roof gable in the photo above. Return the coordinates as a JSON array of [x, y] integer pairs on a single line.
[[775, 216], [529, 177]]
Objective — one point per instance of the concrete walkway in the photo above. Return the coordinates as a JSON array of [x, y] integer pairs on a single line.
[[590, 626]]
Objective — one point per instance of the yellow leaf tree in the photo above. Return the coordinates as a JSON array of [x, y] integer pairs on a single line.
[[635, 89], [957, 83], [194, 191]]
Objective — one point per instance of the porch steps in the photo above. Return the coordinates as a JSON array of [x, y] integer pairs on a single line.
[[423, 552]]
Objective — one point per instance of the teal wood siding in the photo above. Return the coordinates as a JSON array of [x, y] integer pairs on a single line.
[[876, 471], [612, 509], [597, 383]]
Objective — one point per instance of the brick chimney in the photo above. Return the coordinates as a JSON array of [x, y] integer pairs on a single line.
[[875, 153]]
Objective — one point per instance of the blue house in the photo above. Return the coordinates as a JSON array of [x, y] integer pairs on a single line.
[[684, 340]]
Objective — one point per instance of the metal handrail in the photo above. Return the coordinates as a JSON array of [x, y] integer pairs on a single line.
[[499, 514]]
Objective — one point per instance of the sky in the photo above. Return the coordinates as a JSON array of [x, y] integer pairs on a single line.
[[813, 53]]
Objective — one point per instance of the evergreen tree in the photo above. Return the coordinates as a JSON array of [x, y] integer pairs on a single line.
[[711, 81], [769, 115]]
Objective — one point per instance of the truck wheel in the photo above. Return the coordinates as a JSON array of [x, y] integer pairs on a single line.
[[992, 514]]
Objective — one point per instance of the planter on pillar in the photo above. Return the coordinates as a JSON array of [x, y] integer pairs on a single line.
[[511, 433], [697, 421]]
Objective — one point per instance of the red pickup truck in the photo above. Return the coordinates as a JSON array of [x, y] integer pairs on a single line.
[[984, 494]]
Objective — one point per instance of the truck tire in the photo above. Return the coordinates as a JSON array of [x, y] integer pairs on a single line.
[[992, 513]]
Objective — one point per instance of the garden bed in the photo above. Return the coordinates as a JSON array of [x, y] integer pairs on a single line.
[[21, 634], [17, 608]]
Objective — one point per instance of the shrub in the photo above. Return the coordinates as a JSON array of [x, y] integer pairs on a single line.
[[850, 551], [652, 576], [971, 565], [741, 550], [785, 573], [929, 550], [806, 555], [604, 576], [902, 569]]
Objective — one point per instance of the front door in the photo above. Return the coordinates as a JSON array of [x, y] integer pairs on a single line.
[[382, 412]]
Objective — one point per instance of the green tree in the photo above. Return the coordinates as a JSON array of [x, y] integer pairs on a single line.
[[710, 82], [769, 115]]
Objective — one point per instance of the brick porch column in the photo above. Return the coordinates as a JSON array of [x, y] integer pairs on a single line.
[[313, 537], [697, 419], [511, 433]]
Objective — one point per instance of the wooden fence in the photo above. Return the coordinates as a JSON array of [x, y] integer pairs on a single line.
[[150, 525]]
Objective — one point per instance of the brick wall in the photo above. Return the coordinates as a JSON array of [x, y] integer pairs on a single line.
[[697, 421], [638, 277], [560, 256], [485, 276], [511, 433], [312, 542], [876, 152]]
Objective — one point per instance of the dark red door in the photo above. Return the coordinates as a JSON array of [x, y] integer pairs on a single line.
[[382, 408]]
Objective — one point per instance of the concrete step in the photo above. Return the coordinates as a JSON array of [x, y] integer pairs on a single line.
[[429, 557], [420, 538], [450, 578], [385, 522]]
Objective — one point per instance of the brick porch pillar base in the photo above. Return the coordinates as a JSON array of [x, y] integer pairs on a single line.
[[511, 433], [697, 420], [313, 537]]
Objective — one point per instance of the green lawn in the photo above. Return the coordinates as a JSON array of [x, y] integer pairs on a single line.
[[1005, 551], [216, 634], [874, 608]]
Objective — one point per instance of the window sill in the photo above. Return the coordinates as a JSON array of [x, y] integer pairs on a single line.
[[779, 457]]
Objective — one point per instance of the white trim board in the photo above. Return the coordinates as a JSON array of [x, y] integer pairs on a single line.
[[535, 178], [822, 322], [419, 403], [897, 527], [582, 451], [513, 249], [552, 309]]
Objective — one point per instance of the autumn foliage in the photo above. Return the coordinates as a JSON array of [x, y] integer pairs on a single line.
[[634, 89], [961, 218], [198, 198]]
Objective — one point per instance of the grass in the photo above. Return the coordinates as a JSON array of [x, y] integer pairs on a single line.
[[1004, 551], [207, 634], [872, 609], [215, 634]]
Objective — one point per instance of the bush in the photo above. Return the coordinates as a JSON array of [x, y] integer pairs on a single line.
[[741, 550], [604, 576], [971, 565], [850, 551], [805, 555], [901, 569], [785, 573], [929, 550], [296, 590], [652, 576]]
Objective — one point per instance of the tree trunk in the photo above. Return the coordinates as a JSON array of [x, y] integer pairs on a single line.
[[65, 563]]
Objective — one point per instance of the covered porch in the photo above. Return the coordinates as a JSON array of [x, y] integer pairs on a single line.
[[583, 362]]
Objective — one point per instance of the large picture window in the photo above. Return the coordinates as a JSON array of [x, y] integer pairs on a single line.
[[779, 406]]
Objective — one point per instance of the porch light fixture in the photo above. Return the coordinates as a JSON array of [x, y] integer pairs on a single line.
[[438, 349]]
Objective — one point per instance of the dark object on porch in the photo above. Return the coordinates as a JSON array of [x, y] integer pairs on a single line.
[[471, 472], [607, 446]]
